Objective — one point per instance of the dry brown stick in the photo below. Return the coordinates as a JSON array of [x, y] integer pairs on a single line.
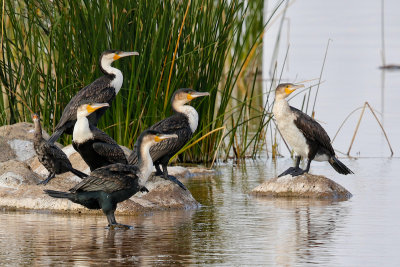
[[383, 130], [355, 131], [219, 144], [348, 116]]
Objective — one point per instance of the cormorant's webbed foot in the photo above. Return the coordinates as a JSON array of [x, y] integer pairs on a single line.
[[47, 180], [298, 172], [144, 189], [158, 170], [119, 226], [176, 181], [288, 171]]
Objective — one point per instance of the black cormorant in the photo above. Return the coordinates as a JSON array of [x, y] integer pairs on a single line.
[[306, 136], [52, 157], [96, 148], [182, 123], [109, 185], [102, 90]]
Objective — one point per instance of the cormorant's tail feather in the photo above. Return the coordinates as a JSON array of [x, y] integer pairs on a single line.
[[339, 166], [58, 194], [54, 137], [78, 173]]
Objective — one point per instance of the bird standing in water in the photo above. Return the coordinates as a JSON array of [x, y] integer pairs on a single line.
[[183, 123], [102, 90], [107, 186], [305, 136], [51, 156]]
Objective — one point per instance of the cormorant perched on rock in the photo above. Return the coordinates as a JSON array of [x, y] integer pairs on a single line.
[[306, 136], [95, 147], [182, 123], [52, 157], [109, 185], [102, 90]]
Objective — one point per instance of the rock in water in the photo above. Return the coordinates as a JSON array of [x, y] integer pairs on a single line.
[[302, 186]]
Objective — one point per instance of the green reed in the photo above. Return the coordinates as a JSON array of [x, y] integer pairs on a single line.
[[50, 50]]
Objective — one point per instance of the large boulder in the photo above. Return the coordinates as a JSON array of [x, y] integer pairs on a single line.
[[20, 171], [302, 186]]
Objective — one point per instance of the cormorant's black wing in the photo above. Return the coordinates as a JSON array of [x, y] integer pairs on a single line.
[[109, 179], [175, 124], [55, 153], [107, 146], [97, 92], [312, 130]]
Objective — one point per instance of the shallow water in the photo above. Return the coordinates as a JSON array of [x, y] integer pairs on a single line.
[[231, 228]]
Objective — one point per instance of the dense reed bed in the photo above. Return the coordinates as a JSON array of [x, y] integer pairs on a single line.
[[50, 49]]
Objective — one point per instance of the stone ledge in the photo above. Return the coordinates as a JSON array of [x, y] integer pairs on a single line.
[[303, 186]]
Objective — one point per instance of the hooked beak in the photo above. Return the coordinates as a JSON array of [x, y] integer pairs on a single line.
[[160, 137], [93, 107], [197, 94], [125, 54], [292, 88]]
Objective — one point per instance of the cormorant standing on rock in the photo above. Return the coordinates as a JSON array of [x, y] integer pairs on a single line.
[[306, 136], [52, 157], [96, 148], [183, 123], [102, 90], [109, 185]]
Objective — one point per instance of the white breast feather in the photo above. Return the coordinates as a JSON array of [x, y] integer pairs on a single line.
[[117, 81], [81, 131], [192, 115], [147, 166], [292, 135]]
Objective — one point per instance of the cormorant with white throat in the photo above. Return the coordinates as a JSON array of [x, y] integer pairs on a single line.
[[102, 90], [183, 123], [51, 156], [306, 136], [107, 186], [96, 148]]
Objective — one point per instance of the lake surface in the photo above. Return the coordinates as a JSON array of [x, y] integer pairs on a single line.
[[234, 229]]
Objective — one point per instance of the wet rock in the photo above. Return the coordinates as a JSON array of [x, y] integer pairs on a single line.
[[303, 186]]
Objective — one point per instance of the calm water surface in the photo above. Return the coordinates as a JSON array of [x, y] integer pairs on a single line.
[[235, 229]]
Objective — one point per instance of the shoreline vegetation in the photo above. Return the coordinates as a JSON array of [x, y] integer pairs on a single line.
[[50, 50]]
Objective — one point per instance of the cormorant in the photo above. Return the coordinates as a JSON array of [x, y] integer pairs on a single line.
[[102, 90], [52, 157], [183, 123], [96, 148], [306, 136], [109, 185]]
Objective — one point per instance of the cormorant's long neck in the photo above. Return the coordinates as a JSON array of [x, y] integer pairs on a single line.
[[190, 112], [145, 163], [114, 74], [82, 130], [38, 133], [281, 108]]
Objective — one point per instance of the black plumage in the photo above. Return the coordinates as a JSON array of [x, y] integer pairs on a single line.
[[303, 133], [109, 185], [96, 148], [102, 90], [183, 123], [51, 156]]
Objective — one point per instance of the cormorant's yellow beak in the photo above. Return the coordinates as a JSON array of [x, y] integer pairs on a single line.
[[93, 107], [291, 88], [197, 94], [159, 138], [125, 54]]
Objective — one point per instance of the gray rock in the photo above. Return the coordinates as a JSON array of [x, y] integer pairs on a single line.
[[303, 186]]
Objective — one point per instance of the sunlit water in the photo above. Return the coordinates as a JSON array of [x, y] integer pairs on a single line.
[[235, 229]]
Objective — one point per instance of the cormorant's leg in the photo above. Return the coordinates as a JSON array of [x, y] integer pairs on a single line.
[[51, 176], [158, 170], [300, 171], [112, 223], [171, 178]]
